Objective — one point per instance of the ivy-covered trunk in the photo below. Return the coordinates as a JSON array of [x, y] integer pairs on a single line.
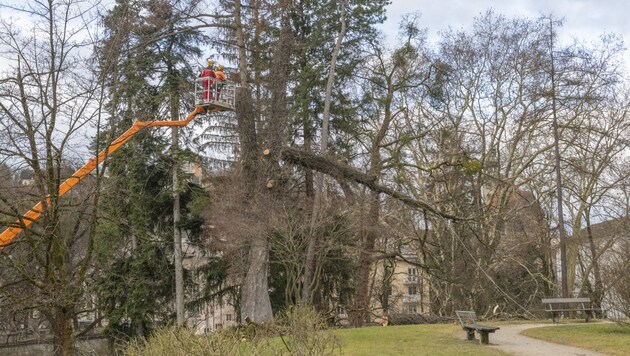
[[359, 313], [63, 331], [255, 304]]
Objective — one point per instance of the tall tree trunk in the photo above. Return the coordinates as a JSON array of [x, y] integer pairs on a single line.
[[371, 222], [369, 234], [309, 281], [240, 42], [597, 294], [547, 259], [259, 202], [255, 299], [255, 302], [172, 86], [566, 279], [61, 322], [177, 234], [62, 311]]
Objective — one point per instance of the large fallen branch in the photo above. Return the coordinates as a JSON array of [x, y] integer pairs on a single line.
[[343, 171]]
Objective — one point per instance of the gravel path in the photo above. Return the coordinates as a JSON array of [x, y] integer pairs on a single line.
[[509, 339]]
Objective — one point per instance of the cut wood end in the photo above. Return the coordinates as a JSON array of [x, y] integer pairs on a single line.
[[270, 184], [266, 152]]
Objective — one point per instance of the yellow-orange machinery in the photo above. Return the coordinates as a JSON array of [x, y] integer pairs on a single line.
[[207, 100]]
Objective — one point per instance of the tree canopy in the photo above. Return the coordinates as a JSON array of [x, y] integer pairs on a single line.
[[345, 158]]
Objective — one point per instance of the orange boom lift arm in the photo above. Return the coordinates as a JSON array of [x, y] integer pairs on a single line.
[[203, 106]]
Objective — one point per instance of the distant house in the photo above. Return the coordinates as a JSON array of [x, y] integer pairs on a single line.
[[214, 315], [400, 288], [219, 313], [610, 241], [27, 177], [410, 291], [522, 248], [522, 261], [194, 171]]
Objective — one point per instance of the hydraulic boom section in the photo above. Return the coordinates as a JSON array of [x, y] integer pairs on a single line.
[[222, 100]]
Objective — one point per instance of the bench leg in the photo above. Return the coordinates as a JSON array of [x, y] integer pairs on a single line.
[[470, 334], [589, 315], [554, 317], [483, 337]]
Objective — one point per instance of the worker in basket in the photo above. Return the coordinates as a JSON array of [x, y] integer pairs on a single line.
[[208, 83], [220, 79]]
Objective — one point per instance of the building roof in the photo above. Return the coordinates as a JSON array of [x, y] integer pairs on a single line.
[[616, 227]]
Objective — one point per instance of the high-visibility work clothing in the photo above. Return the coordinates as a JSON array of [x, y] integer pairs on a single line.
[[208, 83]]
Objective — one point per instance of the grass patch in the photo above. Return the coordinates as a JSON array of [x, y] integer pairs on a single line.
[[608, 338], [433, 339]]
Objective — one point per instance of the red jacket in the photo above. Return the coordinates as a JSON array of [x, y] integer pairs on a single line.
[[207, 72]]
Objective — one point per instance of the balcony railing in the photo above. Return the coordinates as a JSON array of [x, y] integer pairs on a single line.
[[412, 298], [412, 279], [210, 92]]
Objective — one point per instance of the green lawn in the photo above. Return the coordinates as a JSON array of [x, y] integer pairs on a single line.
[[608, 338], [436, 339]]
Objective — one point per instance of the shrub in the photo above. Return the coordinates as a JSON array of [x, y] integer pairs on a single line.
[[183, 342], [303, 331], [297, 331]]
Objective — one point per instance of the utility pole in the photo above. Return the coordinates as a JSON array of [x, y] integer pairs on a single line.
[[556, 148]]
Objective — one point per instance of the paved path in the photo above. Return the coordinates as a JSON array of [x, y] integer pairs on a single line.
[[509, 339]]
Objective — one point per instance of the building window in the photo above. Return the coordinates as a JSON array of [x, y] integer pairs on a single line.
[[218, 326], [412, 308], [340, 310], [413, 290], [228, 317], [412, 274], [195, 312]]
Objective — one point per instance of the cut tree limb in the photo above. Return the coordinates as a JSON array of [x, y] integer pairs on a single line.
[[342, 171]]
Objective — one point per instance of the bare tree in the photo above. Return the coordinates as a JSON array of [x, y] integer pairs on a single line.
[[480, 130], [309, 266], [49, 98], [389, 75], [593, 160]]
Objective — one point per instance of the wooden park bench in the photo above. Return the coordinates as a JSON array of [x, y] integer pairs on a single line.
[[468, 320], [13, 336], [558, 306]]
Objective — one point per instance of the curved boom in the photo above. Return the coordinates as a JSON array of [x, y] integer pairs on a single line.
[[26, 220]]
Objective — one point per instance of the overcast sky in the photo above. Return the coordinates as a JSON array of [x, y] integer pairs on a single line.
[[584, 19]]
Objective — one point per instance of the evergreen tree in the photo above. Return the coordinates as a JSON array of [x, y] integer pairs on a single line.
[[146, 63]]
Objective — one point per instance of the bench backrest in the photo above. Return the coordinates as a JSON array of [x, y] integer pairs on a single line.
[[565, 300], [466, 317]]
